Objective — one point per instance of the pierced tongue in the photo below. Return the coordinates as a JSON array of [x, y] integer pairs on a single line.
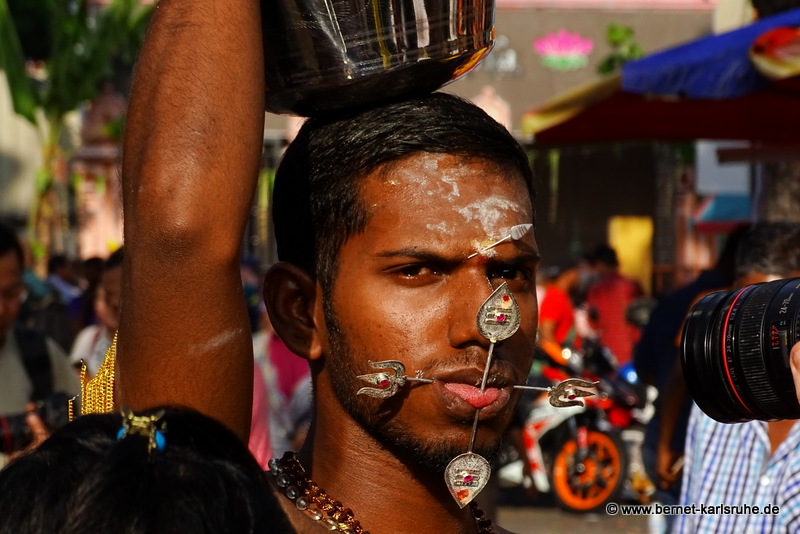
[[473, 395]]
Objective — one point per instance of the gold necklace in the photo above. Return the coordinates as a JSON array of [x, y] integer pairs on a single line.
[[97, 394], [290, 476]]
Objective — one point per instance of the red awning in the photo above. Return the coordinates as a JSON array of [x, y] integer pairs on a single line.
[[770, 115]]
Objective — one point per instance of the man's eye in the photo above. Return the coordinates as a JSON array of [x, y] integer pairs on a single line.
[[417, 270], [510, 273]]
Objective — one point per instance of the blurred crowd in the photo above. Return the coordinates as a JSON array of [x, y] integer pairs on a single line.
[[55, 330], [588, 299]]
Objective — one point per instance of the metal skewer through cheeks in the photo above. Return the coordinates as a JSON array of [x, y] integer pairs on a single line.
[[498, 319]]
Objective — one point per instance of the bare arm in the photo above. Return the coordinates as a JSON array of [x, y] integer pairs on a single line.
[[675, 392], [547, 331], [191, 155]]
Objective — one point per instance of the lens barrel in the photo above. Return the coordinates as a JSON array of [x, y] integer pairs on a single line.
[[735, 352]]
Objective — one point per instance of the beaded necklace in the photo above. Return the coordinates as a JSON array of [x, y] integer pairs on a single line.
[[290, 477]]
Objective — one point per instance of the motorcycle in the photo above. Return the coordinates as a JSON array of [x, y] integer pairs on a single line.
[[586, 455]]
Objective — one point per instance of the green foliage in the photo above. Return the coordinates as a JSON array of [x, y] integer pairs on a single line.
[[624, 48], [12, 62], [86, 48], [114, 128], [80, 48], [32, 21]]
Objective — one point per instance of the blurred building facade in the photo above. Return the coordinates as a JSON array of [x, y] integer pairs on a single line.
[[543, 47]]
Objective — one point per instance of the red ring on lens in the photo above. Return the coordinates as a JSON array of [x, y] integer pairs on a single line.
[[725, 350]]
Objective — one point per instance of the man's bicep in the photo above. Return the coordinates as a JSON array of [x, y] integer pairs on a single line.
[[184, 335]]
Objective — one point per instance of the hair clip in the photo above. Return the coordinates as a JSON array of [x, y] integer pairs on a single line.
[[147, 426], [516, 233], [387, 383]]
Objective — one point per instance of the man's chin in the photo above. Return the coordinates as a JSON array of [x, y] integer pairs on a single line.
[[429, 454]]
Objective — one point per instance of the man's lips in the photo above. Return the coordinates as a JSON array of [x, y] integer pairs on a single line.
[[473, 394]]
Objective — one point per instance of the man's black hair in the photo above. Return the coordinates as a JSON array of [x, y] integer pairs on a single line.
[[88, 481], [769, 248], [317, 204], [604, 254], [114, 260], [9, 242], [56, 262]]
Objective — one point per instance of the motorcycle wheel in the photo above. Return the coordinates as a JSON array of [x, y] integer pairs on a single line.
[[588, 485]]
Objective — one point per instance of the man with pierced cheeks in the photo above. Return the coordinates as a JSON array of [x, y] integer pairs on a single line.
[[376, 214]]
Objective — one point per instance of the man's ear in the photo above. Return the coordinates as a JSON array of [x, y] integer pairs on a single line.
[[294, 303]]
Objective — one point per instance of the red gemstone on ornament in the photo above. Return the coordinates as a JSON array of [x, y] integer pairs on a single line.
[[462, 494], [383, 383], [501, 318], [506, 298], [468, 478], [571, 397]]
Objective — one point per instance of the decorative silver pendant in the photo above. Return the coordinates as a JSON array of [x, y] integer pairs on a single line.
[[499, 316], [498, 319], [466, 475], [388, 383]]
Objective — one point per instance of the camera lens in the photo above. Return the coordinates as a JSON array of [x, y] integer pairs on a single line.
[[735, 352]]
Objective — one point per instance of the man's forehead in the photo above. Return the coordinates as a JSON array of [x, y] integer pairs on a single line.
[[431, 199], [444, 175]]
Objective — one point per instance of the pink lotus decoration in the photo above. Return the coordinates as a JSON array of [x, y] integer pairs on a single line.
[[564, 50]]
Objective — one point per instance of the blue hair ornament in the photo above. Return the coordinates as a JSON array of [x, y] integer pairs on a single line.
[[148, 426]]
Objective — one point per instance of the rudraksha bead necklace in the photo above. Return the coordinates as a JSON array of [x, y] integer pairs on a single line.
[[291, 479]]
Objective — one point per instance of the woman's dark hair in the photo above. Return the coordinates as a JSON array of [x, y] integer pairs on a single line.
[[9, 242], [83, 480], [317, 204]]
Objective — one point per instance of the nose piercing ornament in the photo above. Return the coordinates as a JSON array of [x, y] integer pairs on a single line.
[[388, 384], [516, 233], [498, 319]]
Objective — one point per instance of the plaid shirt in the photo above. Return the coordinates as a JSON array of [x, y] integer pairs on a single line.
[[730, 464]]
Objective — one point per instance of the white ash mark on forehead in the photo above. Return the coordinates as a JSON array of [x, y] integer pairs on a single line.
[[491, 212], [441, 228], [452, 183]]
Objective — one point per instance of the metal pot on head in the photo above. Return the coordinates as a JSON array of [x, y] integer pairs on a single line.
[[326, 55]]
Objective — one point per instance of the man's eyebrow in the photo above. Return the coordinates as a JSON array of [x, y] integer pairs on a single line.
[[427, 255], [411, 252]]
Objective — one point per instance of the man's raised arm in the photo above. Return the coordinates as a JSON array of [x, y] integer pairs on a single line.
[[192, 149]]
